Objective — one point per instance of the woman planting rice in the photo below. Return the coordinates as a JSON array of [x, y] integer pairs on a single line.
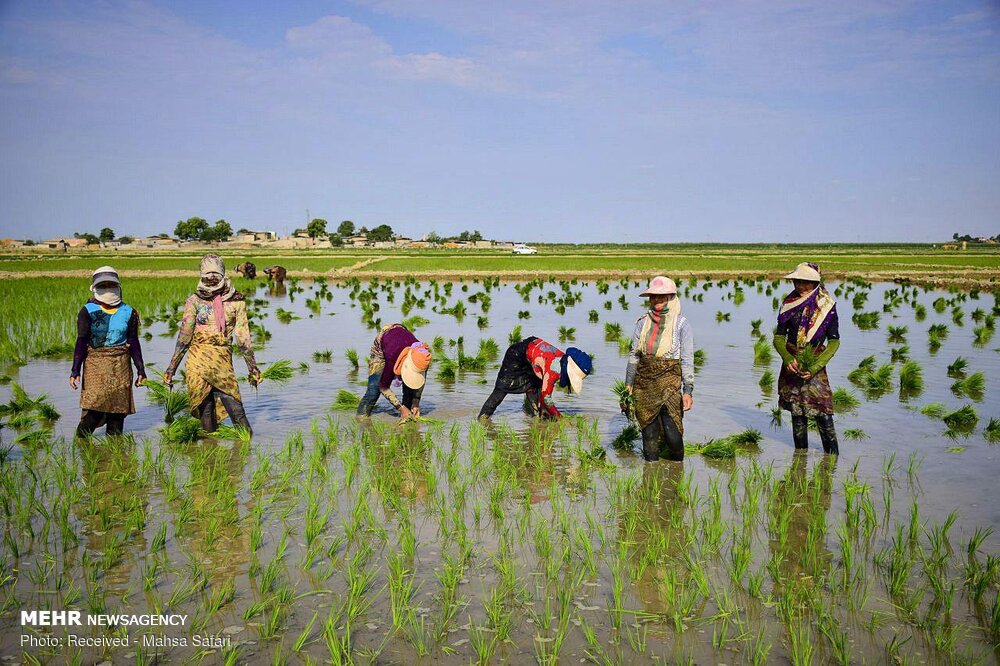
[[213, 314], [807, 337], [534, 367], [107, 336], [660, 372], [396, 354]]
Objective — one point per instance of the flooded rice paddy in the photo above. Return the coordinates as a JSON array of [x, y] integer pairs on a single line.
[[324, 539]]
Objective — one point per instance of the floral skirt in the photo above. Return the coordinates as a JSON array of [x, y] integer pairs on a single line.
[[805, 397], [657, 385]]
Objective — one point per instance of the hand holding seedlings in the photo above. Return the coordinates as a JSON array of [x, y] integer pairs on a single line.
[[139, 381]]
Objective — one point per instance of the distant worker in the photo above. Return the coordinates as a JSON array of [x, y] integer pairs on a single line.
[[247, 269], [807, 318], [396, 354], [660, 371], [535, 367], [107, 337], [276, 273], [213, 315]]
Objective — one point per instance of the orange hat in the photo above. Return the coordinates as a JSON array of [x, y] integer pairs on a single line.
[[412, 364]]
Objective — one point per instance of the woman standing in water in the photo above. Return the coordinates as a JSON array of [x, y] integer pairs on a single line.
[[107, 337], [213, 315], [660, 371], [807, 319]]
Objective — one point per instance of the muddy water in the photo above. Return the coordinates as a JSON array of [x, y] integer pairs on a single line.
[[727, 399]]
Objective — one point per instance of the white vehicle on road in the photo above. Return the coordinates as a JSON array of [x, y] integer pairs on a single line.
[[523, 249]]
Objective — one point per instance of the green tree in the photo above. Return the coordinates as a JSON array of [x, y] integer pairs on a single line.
[[191, 228], [90, 238], [433, 237], [126, 240], [336, 240], [107, 234], [476, 236], [345, 229], [316, 228], [382, 232]]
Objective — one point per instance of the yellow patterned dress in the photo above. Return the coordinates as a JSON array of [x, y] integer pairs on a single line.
[[209, 350]]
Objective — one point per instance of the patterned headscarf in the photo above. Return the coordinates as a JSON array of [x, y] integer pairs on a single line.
[[813, 309], [215, 286]]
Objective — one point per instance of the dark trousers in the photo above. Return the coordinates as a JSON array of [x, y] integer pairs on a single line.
[[827, 433], [91, 420], [661, 438], [372, 393], [516, 376], [209, 419]]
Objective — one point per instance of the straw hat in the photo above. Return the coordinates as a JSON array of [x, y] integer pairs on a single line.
[[660, 286], [805, 271], [412, 365]]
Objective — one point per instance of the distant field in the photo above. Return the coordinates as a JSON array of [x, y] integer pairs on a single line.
[[980, 266]]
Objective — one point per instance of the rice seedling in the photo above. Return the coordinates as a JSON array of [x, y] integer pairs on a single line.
[[324, 356], [182, 430], [963, 419], [285, 316], [956, 370], [567, 333], [762, 351], [972, 386], [612, 331], [982, 335], [899, 354], [352, 358], [766, 381], [279, 372], [866, 321], [593, 316], [934, 410], [992, 431], [844, 401], [911, 380], [897, 334], [414, 322], [855, 434], [700, 356], [721, 316], [755, 327]]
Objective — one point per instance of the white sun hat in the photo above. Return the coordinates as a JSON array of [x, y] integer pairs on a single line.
[[660, 286], [805, 271], [575, 375]]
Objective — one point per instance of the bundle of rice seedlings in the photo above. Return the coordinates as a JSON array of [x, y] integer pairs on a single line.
[[992, 431], [489, 349], [844, 401], [855, 434], [624, 345], [700, 357], [755, 326], [721, 316], [236, 433], [515, 335], [937, 334], [612, 331], [285, 316], [963, 419], [352, 357], [446, 368], [982, 335], [762, 351], [935, 410], [483, 322], [866, 321], [766, 382], [593, 316], [279, 372], [713, 448], [346, 400], [415, 322], [957, 369], [879, 382], [807, 358], [627, 437], [972, 386], [324, 356], [567, 334], [183, 430], [624, 397], [897, 334], [747, 438], [900, 354], [911, 379], [919, 312]]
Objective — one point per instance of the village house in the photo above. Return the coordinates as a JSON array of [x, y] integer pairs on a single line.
[[64, 243], [255, 237], [155, 241]]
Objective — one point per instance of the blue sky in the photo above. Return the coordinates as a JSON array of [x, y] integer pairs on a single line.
[[571, 120]]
